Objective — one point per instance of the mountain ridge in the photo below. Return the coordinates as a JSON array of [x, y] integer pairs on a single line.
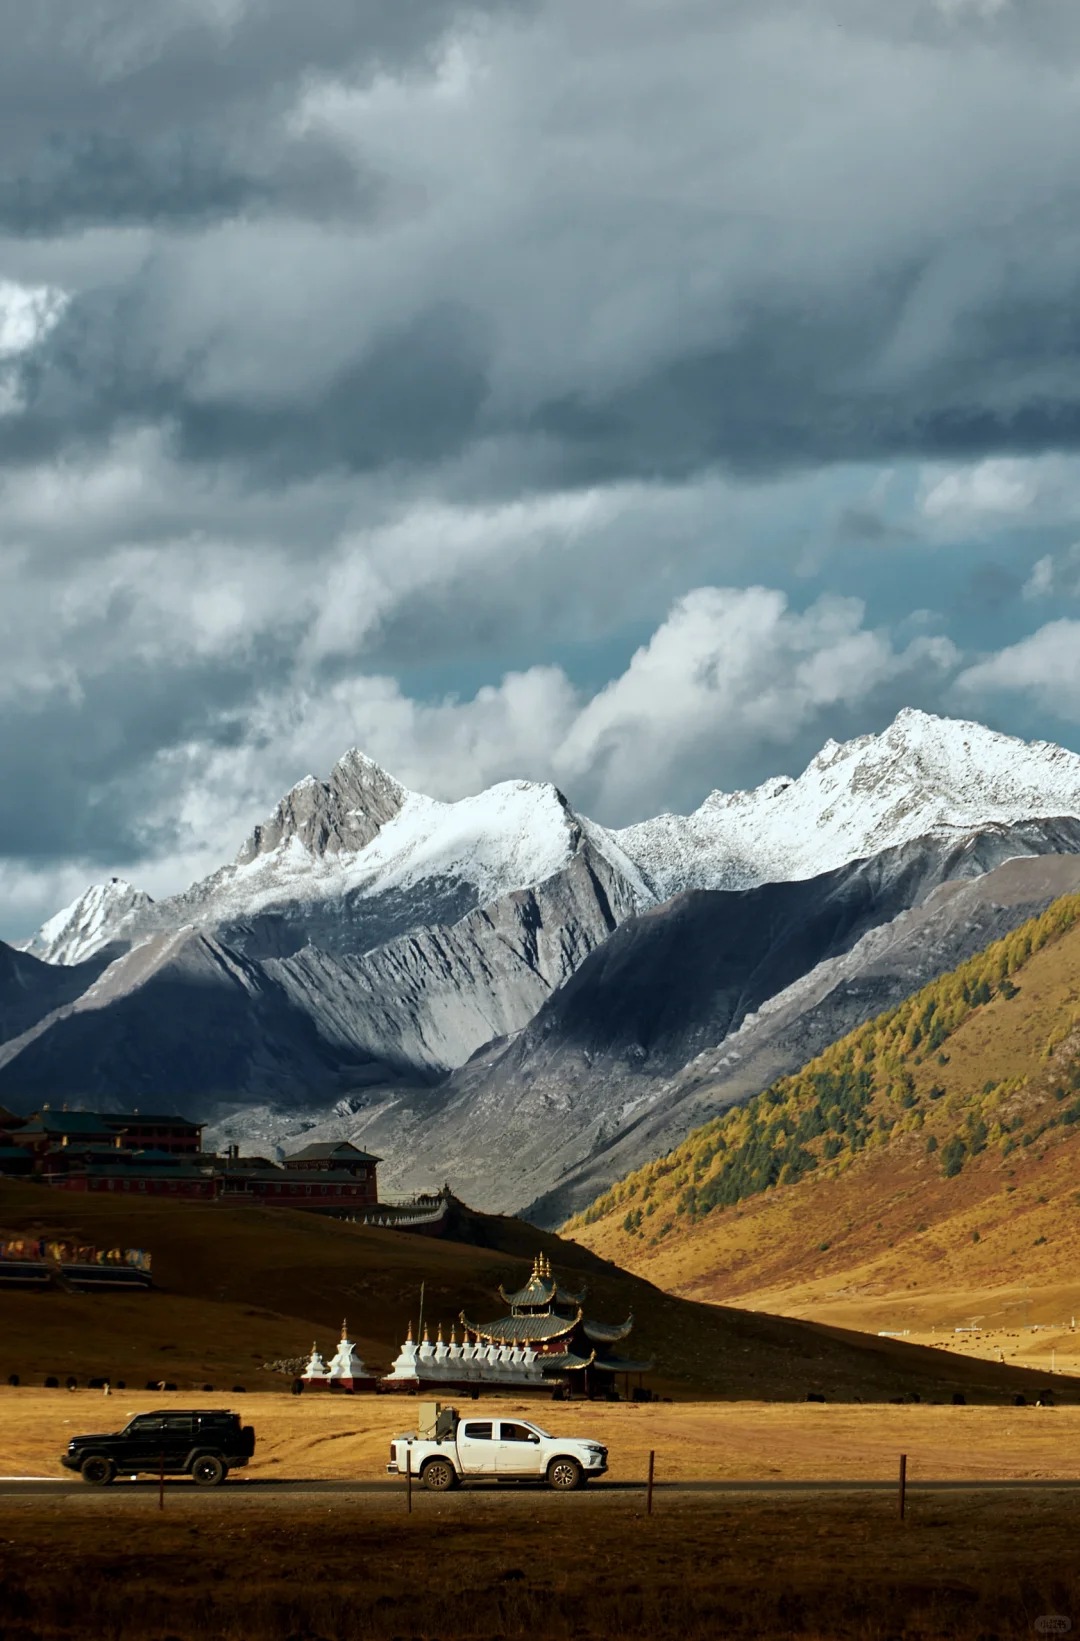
[[361, 834]]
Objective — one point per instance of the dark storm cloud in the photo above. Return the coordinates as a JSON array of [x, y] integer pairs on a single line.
[[341, 340], [746, 240], [89, 798], [415, 398], [135, 66], [797, 388], [126, 112], [180, 178]]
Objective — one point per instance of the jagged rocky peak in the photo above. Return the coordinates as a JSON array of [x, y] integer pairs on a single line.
[[100, 914], [339, 815]]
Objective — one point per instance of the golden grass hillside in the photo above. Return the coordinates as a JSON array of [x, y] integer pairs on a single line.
[[238, 1288], [933, 1152]]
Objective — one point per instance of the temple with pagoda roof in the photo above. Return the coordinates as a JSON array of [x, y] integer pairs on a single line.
[[545, 1342]]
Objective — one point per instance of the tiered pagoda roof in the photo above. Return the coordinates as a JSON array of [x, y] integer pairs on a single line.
[[523, 1330], [545, 1315], [541, 1290]]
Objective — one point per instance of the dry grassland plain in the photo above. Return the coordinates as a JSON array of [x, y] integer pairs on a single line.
[[347, 1437], [250, 1563]]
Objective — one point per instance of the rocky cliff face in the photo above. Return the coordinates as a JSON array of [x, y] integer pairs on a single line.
[[216, 1027], [356, 860], [923, 775], [180, 1020], [333, 817], [321, 874], [427, 1001]]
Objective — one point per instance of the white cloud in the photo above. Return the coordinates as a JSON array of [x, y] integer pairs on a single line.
[[27, 315], [372, 571], [1044, 667], [1056, 575], [1040, 583], [730, 669], [978, 500]]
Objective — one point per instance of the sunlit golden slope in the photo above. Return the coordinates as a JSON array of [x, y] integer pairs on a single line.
[[934, 1151]]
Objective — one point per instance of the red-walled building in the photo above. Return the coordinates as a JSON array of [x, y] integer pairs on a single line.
[[123, 1131], [92, 1152]]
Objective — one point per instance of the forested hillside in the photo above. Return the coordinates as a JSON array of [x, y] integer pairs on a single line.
[[967, 1086]]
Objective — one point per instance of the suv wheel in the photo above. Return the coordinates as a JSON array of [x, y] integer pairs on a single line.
[[564, 1474], [438, 1475], [97, 1470], [208, 1470]]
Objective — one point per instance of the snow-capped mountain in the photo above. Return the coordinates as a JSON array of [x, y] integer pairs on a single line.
[[509, 837], [354, 861], [367, 941], [99, 916], [924, 775]]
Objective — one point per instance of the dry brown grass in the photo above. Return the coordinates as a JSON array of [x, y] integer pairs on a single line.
[[324, 1436], [470, 1567], [237, 1288]]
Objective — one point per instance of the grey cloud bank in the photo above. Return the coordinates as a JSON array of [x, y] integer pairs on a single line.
[[502, 388]]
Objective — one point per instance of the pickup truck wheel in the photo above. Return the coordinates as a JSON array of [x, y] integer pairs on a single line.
[[438, 1475], [564, 1474], [208, 1470], [97, 1470]]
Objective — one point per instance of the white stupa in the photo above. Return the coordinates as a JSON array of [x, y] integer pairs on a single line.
[[316, 1367], [346, 1369], [405, 1366], [463, 1364]]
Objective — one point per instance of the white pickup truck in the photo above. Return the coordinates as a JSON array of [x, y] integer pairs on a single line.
[[447, 1450]]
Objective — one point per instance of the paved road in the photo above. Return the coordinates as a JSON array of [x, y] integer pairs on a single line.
[[273, 1488]]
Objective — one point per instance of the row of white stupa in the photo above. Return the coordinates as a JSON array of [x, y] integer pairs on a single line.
[[503, 1364]]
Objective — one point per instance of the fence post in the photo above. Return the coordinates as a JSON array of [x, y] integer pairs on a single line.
[[903, 1483], [408, 1479], [652, 1467], [161, 1482]]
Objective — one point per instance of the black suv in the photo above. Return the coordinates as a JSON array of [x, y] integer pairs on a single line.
[[200, 1444]]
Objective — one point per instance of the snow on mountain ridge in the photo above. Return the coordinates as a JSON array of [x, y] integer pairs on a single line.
[[361, 834], [922, 775], [90, 922], [509, 836]]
